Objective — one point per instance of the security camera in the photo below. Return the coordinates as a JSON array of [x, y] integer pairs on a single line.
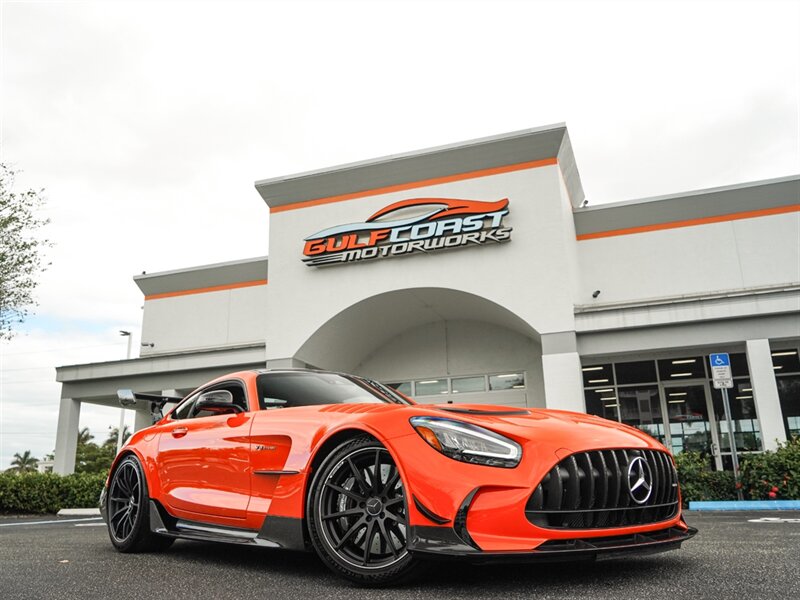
[[595, 294]]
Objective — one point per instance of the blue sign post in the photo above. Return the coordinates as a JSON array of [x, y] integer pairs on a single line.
[[723, 379]]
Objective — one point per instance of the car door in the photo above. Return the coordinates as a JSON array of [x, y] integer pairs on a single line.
[[283, 433], [272, 436], [204, 458]]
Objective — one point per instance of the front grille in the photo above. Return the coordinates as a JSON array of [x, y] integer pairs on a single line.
[[591, 490]]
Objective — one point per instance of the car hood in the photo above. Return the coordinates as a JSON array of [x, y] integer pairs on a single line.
[[564, 430]]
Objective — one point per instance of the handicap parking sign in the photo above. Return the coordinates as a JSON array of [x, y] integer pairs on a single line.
[[721, 370], [720, 360]]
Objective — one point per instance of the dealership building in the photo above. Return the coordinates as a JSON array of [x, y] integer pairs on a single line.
[[476, 273]]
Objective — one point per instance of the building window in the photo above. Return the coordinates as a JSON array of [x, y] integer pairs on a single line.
[[680, 369], [785, 361], [673, 401], [739, 366], [430, 387], [746, 430], [463, 385], [643, 371], [467, 384], [689, 422], [786, 364], [404, 387], [506, 381], [603, 403], [789, 394], [595, 375], [640, 406]]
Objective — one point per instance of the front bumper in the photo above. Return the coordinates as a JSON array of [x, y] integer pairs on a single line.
[[443, 542], [491, 511]]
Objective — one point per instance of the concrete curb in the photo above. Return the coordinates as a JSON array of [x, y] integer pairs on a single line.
[[745, 505], [79, 512]]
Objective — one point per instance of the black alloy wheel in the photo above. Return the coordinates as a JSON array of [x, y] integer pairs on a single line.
[[127, 506], [358, 514], [124, 501]]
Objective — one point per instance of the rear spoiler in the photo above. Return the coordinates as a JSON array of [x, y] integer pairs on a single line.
[[155, 402]]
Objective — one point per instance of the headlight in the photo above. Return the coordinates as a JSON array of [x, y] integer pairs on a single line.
[[468, 443]]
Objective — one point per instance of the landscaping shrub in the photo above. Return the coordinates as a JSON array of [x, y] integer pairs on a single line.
[[699, 482], [773, 475], [82, 490], [48, 493]]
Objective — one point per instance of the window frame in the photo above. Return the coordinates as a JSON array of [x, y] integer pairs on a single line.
[[192, 398]]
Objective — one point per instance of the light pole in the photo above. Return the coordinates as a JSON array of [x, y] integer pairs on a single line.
[[126, 334]]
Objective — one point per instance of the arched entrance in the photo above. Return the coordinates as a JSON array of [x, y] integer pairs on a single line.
[[441, 344]]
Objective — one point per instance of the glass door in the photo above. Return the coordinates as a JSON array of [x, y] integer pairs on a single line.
[[692, 426]]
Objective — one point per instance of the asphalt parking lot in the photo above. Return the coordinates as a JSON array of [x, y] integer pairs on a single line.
[[732, 557]]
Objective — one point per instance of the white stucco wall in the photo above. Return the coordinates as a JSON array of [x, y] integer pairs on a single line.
[[754, 252], [205, 320], [455, 348], [528, 275]]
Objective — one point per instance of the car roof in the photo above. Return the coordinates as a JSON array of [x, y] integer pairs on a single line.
[[300, 370]]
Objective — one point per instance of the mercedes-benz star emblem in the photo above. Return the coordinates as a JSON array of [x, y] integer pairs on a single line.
[[374, 506], [640, 480]]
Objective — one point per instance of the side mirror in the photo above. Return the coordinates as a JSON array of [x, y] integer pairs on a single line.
[[126, 397], [218, 401]]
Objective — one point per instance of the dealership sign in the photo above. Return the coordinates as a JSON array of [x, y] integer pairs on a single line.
[[409, 226]]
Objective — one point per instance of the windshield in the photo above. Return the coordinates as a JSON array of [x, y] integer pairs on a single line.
[[307, 389]]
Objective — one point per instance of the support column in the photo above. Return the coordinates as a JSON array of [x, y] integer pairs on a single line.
[[561, 366], [141, 419], [765, 393], [69, 413], [286, 363]]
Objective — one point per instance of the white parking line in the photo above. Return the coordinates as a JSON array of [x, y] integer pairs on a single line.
[[49, 522], [90, 524], [773, 520]]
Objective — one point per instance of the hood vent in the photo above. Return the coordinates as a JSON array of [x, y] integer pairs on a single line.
[[485, 412]]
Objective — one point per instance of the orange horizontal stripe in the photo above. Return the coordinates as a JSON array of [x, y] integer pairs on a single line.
[[215, 288], [749, 214], [417, 184]]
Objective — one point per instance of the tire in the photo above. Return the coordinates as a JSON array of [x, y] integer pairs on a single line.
[[357, 522], [129, 510]]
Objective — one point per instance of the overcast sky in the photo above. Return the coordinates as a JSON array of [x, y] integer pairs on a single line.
[[148, 122]]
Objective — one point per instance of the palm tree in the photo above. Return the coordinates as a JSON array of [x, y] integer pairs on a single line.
[[24, 463], [84, 436], [112, 435]]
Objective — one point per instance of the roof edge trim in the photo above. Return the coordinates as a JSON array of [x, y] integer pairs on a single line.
[[411, 154]]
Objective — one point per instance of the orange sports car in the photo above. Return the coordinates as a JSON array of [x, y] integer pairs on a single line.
[[377, 484]]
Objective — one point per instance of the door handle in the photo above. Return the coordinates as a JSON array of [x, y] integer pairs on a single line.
[[179, 432]]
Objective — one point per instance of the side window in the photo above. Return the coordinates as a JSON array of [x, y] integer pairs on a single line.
[[237, 390], [186, 410], [275, 391]]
